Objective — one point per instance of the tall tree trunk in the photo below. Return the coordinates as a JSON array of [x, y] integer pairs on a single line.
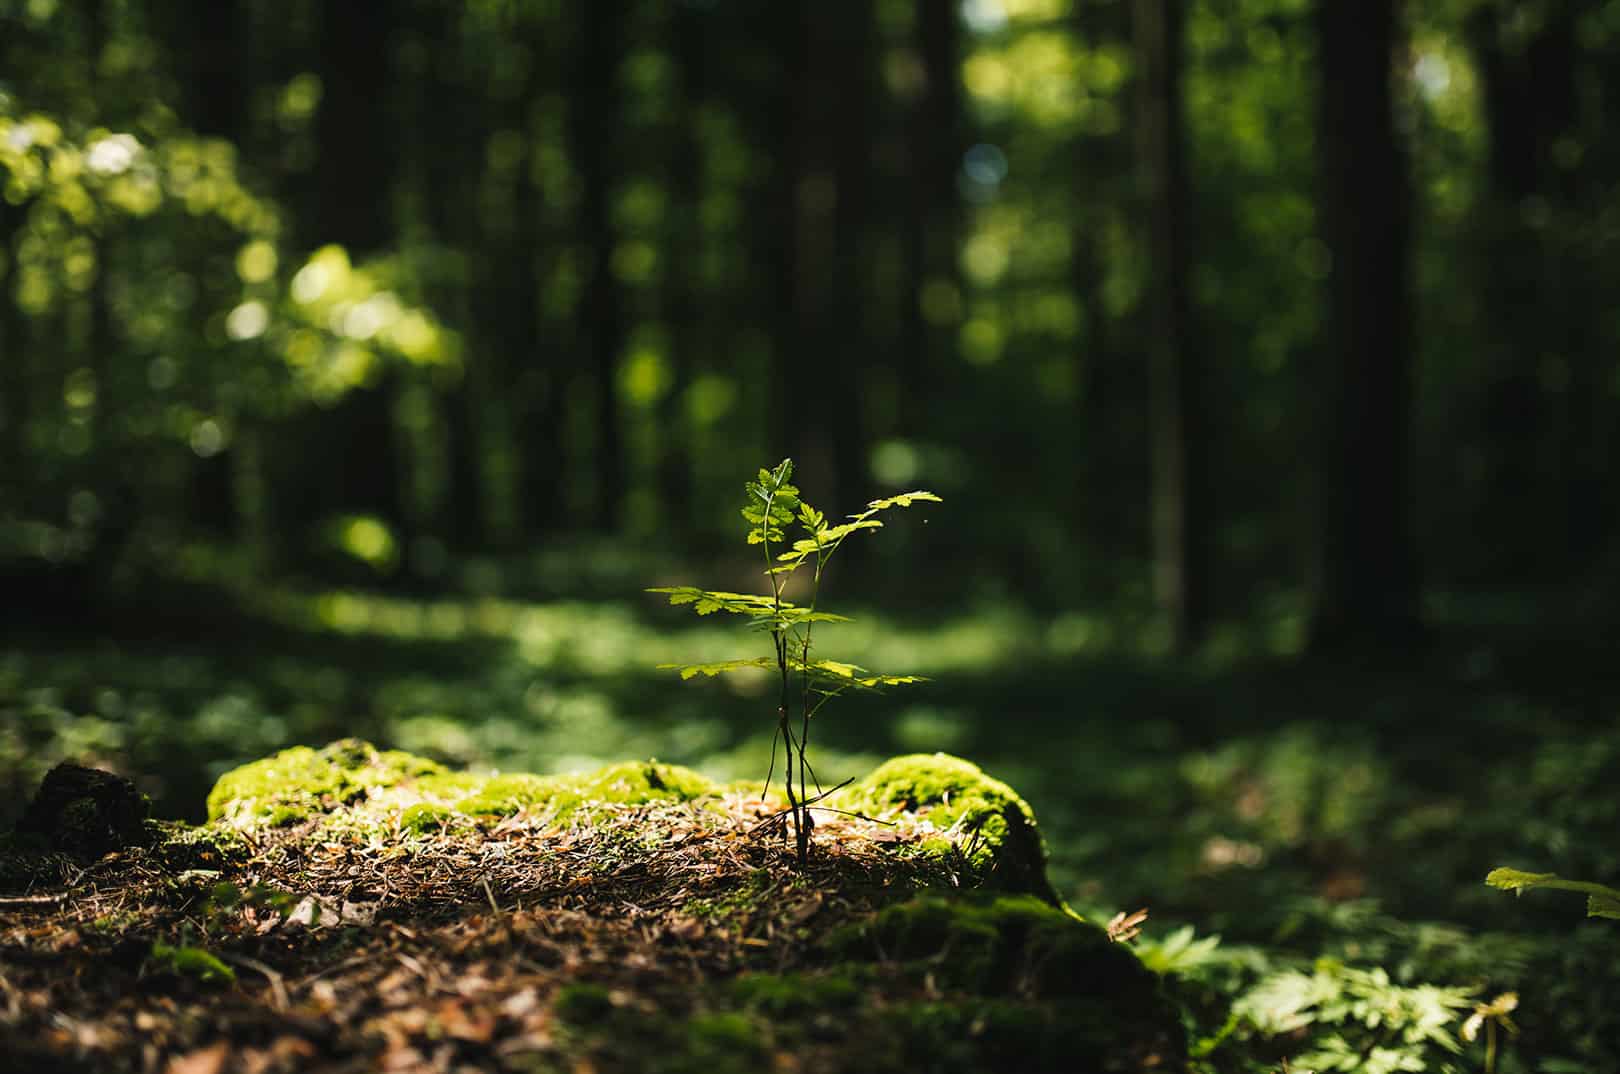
[[684, 248], [1529, 100], [823, 192], [14, 365], [848, 58], [1101, 365], [210, 44], [596, 118], [353, 207], [445, 132], [1180, 536], [798, 195], [1368, 587], [932, 215]]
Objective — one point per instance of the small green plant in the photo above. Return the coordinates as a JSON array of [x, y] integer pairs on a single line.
[[1601, 900], [807, 683], [185, 961]]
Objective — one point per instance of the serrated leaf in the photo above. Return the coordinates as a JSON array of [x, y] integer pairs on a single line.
[[720, 667], [903, 499], [706, 602]]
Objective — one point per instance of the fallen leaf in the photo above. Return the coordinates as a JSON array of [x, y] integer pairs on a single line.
[[209, 1060]]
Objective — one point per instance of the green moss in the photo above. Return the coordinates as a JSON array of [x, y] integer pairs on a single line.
[[990, 823], [997, 945], [788, 994], [723, 1036], [634, 782], [583, 1003], [501, 796], [627, 783], [191, 962], [358, 786], [299, 782], [424, 819]]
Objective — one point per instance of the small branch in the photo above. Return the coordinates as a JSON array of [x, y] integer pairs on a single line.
[[26, 902], [278, 987]]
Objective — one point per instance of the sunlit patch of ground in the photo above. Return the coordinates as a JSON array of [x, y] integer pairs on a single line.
[[664, 936]]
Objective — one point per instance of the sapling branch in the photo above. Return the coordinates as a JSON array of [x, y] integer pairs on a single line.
[[773, 504]]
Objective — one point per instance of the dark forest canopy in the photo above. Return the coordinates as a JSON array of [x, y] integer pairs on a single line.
[[1263, 308]]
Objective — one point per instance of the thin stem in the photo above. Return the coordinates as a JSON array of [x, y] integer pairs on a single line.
[[784, 728]]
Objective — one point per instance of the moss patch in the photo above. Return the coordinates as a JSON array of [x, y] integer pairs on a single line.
[[299, 782], [354, 784], [190, 962], [997, 945], [986, 819], [1029, 985]]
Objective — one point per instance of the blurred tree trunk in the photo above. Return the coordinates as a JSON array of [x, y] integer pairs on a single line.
[[1368, 587], [209, 42], [597, 116], [933, 226], [354, 207], [683, 272], [1529, 99], [115, 486], [14, 379], [793, 232], [847, 56], [1101, 365], [823, 192], [1180, 534], [522, 379], [447, 130]]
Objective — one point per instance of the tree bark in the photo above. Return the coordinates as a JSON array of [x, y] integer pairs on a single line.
[[1368, 585], [932, 216], [353, 207], [684, 245], [1180, 540], [596, 117]]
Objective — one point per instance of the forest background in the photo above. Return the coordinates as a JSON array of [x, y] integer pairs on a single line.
[[360, 363]]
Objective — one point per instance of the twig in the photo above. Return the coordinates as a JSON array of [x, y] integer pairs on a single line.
[[24, 902], [810, 803], [278, 988]]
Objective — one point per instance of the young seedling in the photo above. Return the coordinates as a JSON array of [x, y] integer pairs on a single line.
[[806, 683]]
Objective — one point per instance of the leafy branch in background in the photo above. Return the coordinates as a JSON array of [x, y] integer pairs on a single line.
[[773, 505], [1601, 900]]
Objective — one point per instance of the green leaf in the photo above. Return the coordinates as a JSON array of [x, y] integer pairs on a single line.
[[1601, 901], [903, 499], [1517, 879], [1604, 905], [689, 671], [706, 602]]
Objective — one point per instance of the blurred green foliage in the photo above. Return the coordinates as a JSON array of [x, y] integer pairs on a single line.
[[358, 363]]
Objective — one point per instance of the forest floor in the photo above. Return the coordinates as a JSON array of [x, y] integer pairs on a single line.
[[1300, 829], [666, 935]]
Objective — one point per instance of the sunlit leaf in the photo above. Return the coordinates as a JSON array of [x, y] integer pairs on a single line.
[[1602, 900]]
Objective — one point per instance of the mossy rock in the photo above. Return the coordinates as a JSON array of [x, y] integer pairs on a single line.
[[300, 782], [85, 811], [354, 782], [1034, 986], [991, 822], [869, 958]]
